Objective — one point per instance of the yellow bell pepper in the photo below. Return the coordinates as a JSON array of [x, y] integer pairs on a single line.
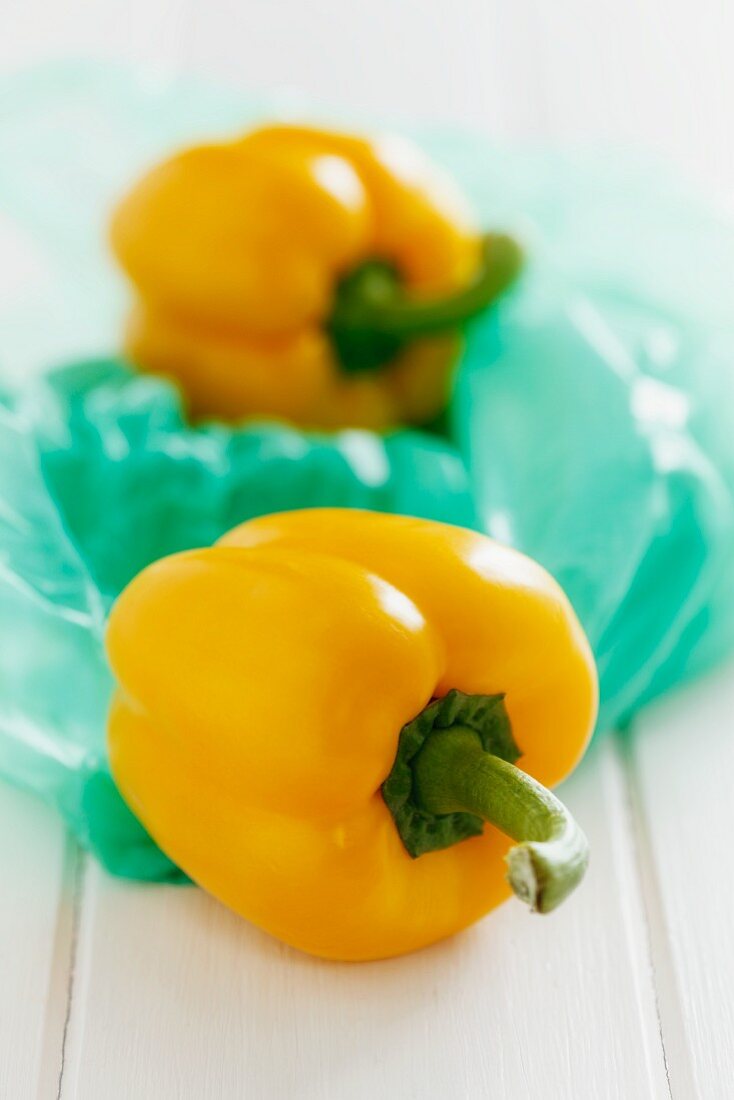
[[306, 275], [316, 717]]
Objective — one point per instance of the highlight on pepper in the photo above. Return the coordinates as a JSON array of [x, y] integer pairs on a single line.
[[344, 725], [305, 275]]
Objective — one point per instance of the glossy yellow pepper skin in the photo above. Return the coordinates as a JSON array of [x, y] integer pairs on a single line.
[[263, 685], [237, 251]]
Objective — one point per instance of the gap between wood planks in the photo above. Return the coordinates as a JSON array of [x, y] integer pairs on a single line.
[[61, 978], [671, 1028]]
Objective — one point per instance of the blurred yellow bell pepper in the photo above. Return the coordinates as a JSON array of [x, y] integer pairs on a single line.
[[306, 275], [316, 717]]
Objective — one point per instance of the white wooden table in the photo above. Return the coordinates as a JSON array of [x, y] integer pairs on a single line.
[[110, 991]]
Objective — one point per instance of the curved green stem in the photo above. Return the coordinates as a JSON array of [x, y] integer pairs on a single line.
[[453, 773], [374, 314]]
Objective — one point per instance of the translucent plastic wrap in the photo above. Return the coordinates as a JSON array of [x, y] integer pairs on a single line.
[[592, 425], [99, 475]]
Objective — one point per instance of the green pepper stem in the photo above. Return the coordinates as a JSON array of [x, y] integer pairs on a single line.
[[372, 302], [453, 773]]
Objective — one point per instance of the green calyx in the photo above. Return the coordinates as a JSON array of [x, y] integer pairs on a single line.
[[455, 771], [420, 829], [374, 317]]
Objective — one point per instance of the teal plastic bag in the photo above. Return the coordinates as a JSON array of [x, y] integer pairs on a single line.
[[592, 424], [595, 408], [100, 475]]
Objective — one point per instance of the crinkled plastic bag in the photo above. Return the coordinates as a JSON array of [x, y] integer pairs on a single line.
[[100, 475], [592, 426]]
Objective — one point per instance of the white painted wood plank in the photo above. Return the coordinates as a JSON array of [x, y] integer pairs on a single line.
[[35, 933], [176, 997], [683, 755], [411, 58], [655, 74]]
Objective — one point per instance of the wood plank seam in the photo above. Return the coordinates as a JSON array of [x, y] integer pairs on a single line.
[[54, 1017], [676, 1050], [631, 913], [79, 860]]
